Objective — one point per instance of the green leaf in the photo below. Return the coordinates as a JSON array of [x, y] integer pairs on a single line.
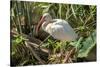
[[88, 44], [77, 44]]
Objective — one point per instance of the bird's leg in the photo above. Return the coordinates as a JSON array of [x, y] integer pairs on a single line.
[[43, 41], [63, 43], [62, 47]]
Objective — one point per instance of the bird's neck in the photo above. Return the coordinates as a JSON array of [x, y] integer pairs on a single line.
[[46, 24]]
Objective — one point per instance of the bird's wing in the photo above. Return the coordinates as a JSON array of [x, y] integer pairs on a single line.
[[58, 32], [67, 27], [63, 31]]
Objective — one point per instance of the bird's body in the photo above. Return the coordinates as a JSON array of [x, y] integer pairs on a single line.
[[59, 29]]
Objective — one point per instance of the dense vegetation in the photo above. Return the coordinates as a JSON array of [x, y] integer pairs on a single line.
[[28, 48]]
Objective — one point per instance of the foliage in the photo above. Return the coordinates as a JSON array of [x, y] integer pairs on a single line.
[[88, 44], [20, 55], [24, 16]]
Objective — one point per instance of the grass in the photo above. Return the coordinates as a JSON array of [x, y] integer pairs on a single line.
[[29, 49]]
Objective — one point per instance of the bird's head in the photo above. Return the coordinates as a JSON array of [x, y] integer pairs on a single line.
[[46, 17]]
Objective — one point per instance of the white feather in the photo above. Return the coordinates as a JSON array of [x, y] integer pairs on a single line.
[[61, 30], [58, 28]]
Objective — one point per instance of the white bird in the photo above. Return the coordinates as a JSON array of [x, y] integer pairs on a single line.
[[57, 28]]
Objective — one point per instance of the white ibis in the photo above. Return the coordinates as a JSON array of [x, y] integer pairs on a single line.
[[57, 28]]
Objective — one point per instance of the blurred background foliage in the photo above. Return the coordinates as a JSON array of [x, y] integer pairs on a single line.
[[24, 16]]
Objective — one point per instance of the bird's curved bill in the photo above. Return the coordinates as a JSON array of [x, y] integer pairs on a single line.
[[39, 24]]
